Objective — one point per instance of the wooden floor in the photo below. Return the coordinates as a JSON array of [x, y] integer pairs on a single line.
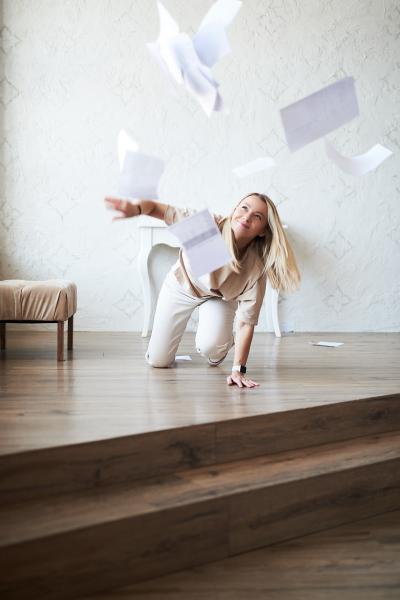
[[113, 473], [106, 389], [357, 561]]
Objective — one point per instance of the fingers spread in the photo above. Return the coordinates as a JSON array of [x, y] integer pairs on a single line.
[[241, 381], [238, 381], [117, 204], [109, 203], [250, 383]]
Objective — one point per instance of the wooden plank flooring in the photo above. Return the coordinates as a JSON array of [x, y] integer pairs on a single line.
[[357, 561], [107, 390], [112, 472], [24, 522], [58, 548]]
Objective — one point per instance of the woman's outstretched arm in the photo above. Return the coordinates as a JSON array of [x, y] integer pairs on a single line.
[[244, 336], [127, 209]]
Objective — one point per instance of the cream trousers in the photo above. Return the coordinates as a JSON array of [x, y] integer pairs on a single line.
[[214, 337]]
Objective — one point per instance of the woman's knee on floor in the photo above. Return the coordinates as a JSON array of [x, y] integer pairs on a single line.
[[159, 360], [213, 351]]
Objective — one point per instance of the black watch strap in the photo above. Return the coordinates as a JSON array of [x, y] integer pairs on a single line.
[[239, 368]]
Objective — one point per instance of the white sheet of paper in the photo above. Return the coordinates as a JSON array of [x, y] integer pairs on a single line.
[[161, 49], [125, 144], [188, 62], [222, 12], [202, 243], [155, 52], [320, 113], [328, 344], [183, 357], [197, 77], [211, 44], [360, 164], [210, 41], [140, 176], [259, 164]]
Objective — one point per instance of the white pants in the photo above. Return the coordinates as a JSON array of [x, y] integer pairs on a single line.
[[214, 336]]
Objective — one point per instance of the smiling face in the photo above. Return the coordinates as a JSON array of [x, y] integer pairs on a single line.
[[249, 220]]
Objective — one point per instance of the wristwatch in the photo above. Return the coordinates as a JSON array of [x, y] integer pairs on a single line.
[[239, 368]]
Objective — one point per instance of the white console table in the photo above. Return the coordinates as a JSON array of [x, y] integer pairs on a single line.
[[153, 232]]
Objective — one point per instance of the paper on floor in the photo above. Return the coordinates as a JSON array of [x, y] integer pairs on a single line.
[[188, 62], [202, 243], [320, 113], [329, 344], [259, 164], [361, 164], [183, 357]]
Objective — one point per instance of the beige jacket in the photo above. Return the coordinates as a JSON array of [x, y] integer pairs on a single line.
[[247, 287]]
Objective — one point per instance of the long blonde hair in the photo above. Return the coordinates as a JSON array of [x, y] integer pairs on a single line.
[[273, 249]]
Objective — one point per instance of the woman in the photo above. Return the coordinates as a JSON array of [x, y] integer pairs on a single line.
[[259, 249]]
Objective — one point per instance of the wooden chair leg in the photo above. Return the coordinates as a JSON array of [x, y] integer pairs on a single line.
[[60, 340], [2, 336], [71, 332]]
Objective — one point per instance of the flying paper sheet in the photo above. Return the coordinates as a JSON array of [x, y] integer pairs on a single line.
[[259, 164], [125, 143], [202, 242], [188, 62], [210, 41], [222, 12], [140, 176], [317, 115], [361, 164]]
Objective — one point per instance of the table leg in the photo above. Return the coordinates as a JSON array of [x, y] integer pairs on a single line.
[[271, 305], [60, 341], [274, 311], [2, 336], [142, 262], [71, 332]]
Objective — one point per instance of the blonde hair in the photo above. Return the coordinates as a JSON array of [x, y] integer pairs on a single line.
[[273, 249]]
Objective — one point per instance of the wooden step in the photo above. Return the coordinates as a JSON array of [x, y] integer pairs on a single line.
[[356, 561], [36, 474], [73, 544]]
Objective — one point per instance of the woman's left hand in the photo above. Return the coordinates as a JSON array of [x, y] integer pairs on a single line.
[[124, 208], [236, 378]]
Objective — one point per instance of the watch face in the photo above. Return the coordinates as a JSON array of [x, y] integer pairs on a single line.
[[242, 369]]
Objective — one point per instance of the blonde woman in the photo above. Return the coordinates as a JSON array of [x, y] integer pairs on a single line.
[[259, 249]]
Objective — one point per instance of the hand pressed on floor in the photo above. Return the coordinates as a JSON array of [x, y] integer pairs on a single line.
[[236, 378]]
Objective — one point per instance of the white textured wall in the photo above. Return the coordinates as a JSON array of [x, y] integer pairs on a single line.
[[73, 72]]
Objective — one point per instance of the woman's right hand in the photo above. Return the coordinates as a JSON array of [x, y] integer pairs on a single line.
[[125, 208]]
